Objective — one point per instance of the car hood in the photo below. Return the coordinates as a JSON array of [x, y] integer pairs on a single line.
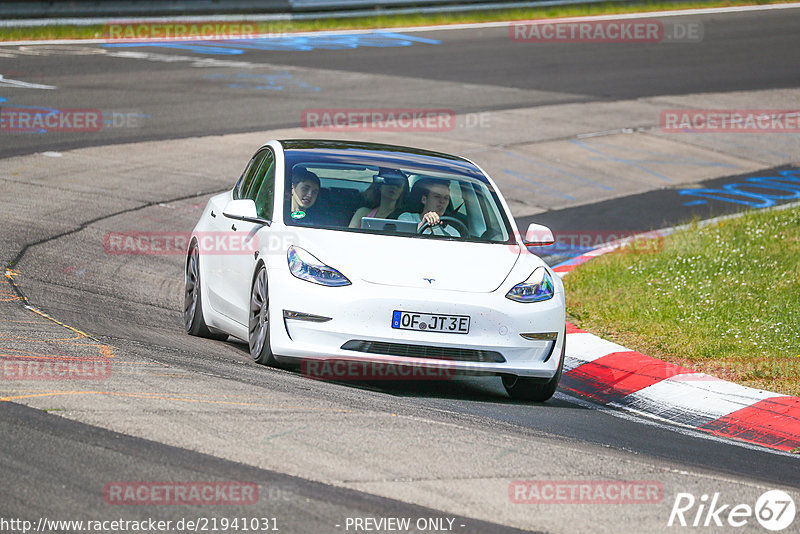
[[413, 262]]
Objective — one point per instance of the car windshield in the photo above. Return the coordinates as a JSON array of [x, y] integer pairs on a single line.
[[387, 197]]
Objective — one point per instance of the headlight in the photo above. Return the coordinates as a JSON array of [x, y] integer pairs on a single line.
[[305, 266], [538, 287]]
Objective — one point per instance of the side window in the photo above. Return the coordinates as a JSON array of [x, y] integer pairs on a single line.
[[246, 182], [263, 190], [457, 203]]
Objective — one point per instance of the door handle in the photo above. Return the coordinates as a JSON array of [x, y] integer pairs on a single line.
[[233, 227]]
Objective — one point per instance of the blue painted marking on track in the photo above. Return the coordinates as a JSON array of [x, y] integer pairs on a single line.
[[404, 37], [768, 190], [717, 194], [263, 82], [298, 43]]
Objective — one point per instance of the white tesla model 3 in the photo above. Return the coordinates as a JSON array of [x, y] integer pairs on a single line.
[[324, 251]]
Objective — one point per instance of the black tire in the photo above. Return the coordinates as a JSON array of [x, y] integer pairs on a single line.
[[258, 323], [535, 389], [192, 303]]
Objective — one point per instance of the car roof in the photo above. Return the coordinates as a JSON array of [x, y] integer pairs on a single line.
[[331, 149]]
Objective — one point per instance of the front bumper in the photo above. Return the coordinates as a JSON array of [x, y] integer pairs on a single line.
[[361, 316]]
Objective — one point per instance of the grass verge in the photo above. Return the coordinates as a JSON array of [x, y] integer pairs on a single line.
[[721, 299], [97, 31]]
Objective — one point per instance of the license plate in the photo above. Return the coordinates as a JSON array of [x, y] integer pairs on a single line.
[[427, 322]]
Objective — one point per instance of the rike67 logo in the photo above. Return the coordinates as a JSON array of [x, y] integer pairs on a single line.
[[774, 510]]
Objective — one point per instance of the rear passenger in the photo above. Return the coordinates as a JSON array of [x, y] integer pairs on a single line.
[[384, 198]]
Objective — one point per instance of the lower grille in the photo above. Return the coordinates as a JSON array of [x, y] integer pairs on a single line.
[[424, 351]]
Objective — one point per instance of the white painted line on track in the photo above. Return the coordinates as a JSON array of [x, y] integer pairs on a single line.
[[588, 347], [703, 401], [7, 82]]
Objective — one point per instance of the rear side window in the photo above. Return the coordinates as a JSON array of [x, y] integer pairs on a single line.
[[262, 191], [246, 182]]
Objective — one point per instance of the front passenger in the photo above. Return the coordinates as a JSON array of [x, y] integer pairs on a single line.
[[305, 189]]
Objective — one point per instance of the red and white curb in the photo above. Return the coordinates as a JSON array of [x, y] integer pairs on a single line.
[[609, 374]]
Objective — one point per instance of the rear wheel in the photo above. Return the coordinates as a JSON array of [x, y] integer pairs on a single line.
[[258, 336], [192, 303], [534, 389]]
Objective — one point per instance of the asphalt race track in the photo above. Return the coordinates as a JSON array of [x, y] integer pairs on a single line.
[[569, 131]]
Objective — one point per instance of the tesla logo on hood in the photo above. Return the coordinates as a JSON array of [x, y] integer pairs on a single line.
[[429, 280]]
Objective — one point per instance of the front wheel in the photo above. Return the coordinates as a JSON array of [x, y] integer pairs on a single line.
[[192, 303], [258, 337], [534, 389]]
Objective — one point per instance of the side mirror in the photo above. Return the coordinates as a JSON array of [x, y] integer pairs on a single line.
[[538, 236], [243, 210]]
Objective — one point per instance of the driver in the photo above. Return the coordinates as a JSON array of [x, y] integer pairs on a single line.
[[435, 199], [305, 189]]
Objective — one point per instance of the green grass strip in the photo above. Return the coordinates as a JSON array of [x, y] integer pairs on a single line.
[[396, 21], [721, 299]]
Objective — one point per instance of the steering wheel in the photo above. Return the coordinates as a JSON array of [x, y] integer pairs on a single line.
[[460, 226]]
